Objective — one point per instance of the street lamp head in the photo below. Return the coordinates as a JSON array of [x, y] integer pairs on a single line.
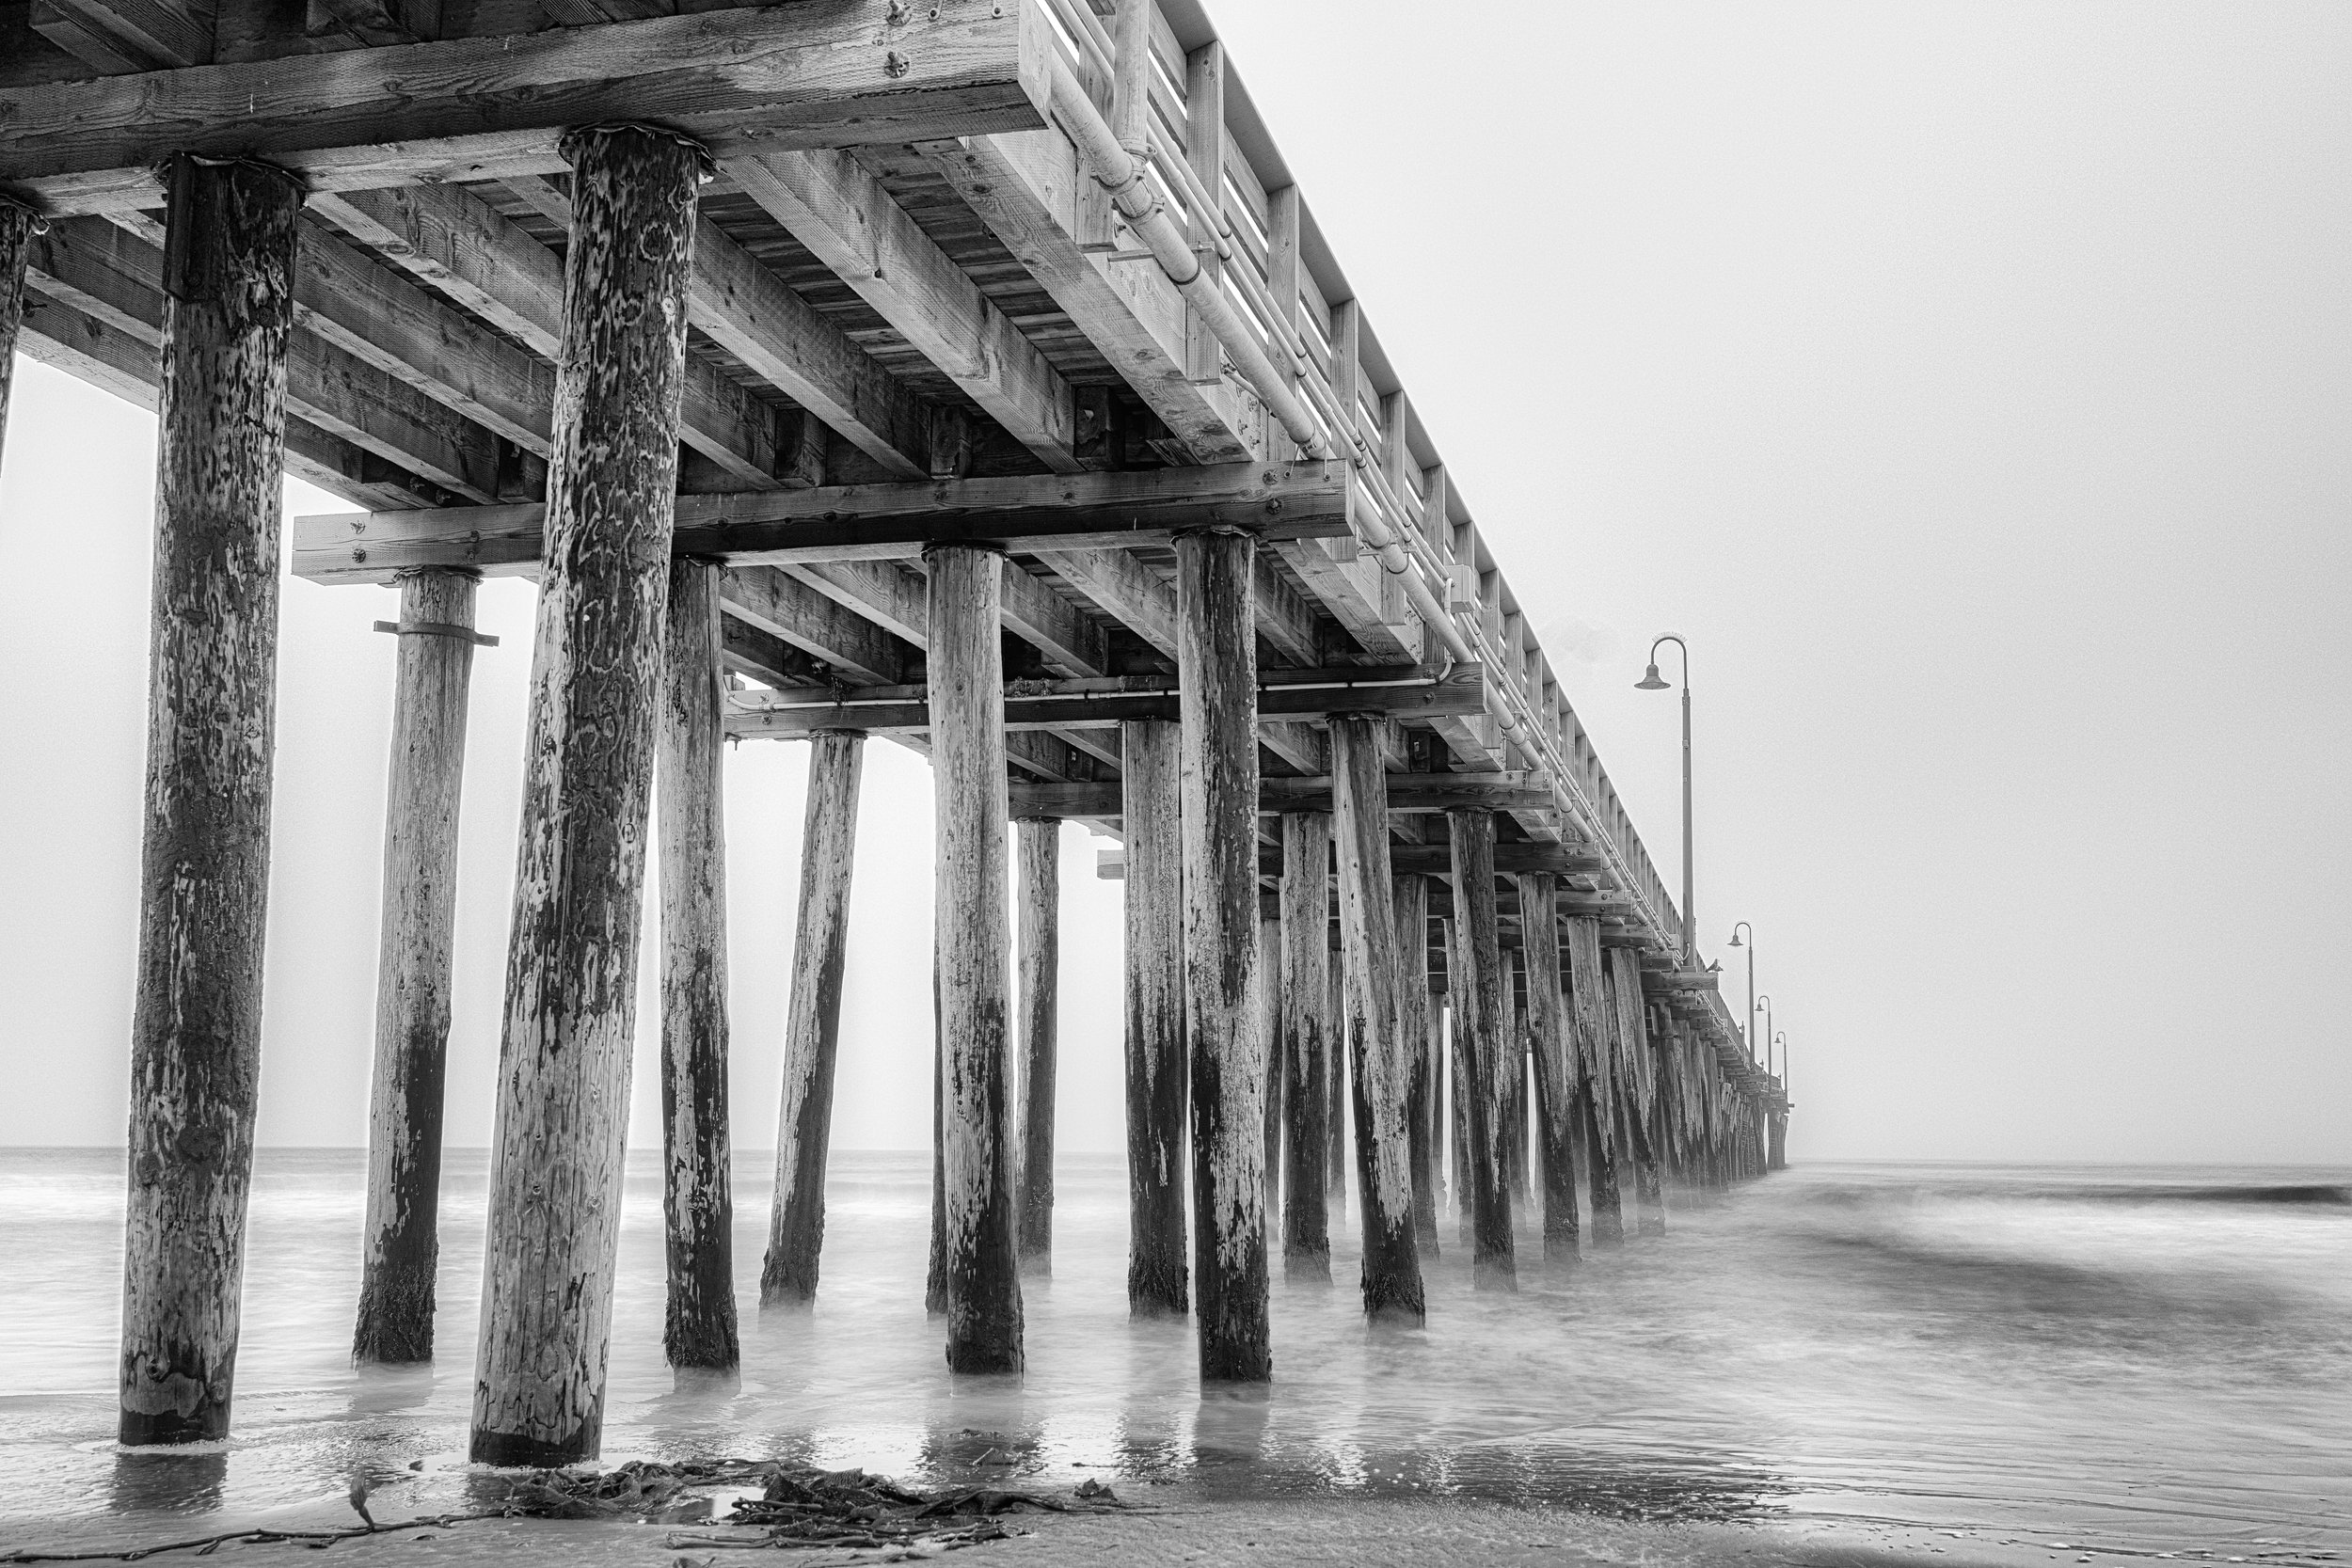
[[1735, 935], [1650, 682]]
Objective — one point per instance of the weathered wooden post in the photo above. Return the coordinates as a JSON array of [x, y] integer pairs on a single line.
[[1650, 1199], [571, 976], [1417, 1025], [967, 712], [812, 1026], [1305, 1040], [1337, 1063], [1217, 677], [1384, 1171], [18, 224], [1777, 1153], [1555, 1073], [1514, 1037], [433, 665], [1595, 1032], [1270, 1030], [1040, 905], [1457, 1012], [697, 1196], [1156, 1270], [1480, 1049], [195, 1027]]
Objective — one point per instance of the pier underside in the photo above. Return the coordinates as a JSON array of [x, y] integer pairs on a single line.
[[968, 375]]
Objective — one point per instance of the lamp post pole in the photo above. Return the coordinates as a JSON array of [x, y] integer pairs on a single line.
[[1651, 682], [1749, 1027], [1765, 1003]]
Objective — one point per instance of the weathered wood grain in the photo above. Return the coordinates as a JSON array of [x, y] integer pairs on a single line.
[[967, 704], [459, 109], [1217, 669], [196, 1029], [1304, 1039], [1480, 1049], [1269, 976], [17, 224], [412, 974], [697, 1200], [1595, 1100], [1548, 1032], [1157, 1273], [1649, 1204], [571, 992], [1418, 1029], [1384, 1173], [858, 522], [1038, 921], [812, 1028]]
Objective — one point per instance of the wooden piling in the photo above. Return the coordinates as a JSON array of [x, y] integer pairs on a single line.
[[1384, 1171], [1156, 1268], [1217, 675], [812, 1027], [1305, 1039], [196, 1029], [1514, 1037], [571, 985], [1640, 1096], [967, 712], [18, 224], [1039, 901], [1549, 1031], [1336, 1068], [1480, 1051], [1590, 1001], [697, 1199], [1417, 1026], [1269, 976], [401, 1255], [1456, 1064]]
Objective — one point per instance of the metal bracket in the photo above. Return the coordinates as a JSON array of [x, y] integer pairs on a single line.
[[437, 628]]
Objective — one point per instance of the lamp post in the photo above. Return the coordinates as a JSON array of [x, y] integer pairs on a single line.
[[1765, 1003], [1749, 1027], [1651, 681], [1783, 1040]]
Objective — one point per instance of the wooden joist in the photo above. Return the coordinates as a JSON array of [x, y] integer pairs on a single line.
[[115, 35], [1095, 703], [471, 109], [1408, 792], [872, 522]]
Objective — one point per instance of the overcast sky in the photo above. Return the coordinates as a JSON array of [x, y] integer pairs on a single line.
[[1970, 383]]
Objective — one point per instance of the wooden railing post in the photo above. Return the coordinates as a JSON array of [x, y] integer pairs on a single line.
[[1479, 1051], [1156, 1270], [1040, 904], [1384, 1172], [812, 1028], [432, 664], [571, 978], [1304, 1039], [697, 1199], [1217, 672], [195, 1027], [967, 709]]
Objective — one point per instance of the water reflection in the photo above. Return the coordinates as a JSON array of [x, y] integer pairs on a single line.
[[2159, 1357]]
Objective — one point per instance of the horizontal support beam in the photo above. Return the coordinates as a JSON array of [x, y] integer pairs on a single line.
[[741, 80], [1408, 792], [1098, 704], [1022, 513]]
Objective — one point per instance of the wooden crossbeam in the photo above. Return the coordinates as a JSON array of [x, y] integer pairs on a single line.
[[1095, 703], [1408, 792], [129, 34], [113, 276], [473, 108], [862, 522], [466, 249]]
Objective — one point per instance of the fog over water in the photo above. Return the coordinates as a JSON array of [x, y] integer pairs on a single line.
[[2153, 1359]]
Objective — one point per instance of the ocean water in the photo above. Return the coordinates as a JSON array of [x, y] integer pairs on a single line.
[[2158, 1360]]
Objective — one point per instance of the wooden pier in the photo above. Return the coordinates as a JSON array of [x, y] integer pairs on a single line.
[[966, 375]]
